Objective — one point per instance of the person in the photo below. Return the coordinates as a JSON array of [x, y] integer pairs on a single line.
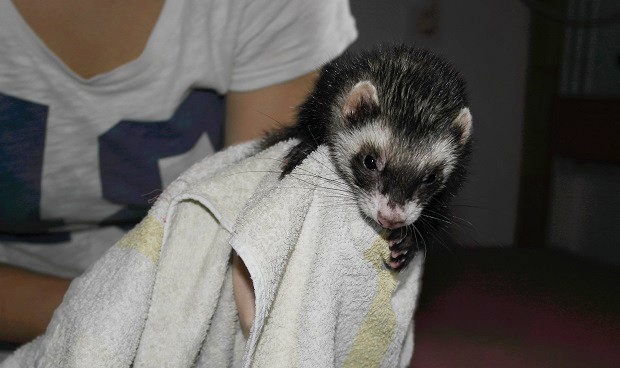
[[102, 104]]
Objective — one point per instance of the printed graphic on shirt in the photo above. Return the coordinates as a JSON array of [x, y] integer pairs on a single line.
[[129, 153], [130, 158], [22, 138]]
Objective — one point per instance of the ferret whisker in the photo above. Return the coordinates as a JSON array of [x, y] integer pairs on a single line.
[[251, 171], [463, 224], [276, 159], [415, 236], [334, 194], [443, 215], [337, 194], [435, 218], [273, 119], [421, 237], [299, 177], [452, 238], [335, 182], [466, 222], [330, 169], [337, 200], [316, 141], [455, 220], [471, 206], [317, 185], [338, 205], [438, 239]]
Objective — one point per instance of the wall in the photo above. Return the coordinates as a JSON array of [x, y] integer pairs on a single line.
[[591, 61], [487, 40], [585, 196]]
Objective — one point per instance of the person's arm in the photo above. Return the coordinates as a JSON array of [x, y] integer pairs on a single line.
[[248, 116], [27, 302]]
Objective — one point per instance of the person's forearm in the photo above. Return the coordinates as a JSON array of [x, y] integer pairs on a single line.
[[27, 301]]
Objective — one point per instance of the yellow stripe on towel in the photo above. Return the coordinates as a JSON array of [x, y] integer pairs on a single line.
[[377, 330], [146, 238]]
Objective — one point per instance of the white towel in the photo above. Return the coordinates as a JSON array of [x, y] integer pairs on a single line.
[[162, 296]]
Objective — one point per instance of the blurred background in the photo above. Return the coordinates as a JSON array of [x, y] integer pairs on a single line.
[[533, 279]]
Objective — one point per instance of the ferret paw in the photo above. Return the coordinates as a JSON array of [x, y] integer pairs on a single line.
[[402, 248]]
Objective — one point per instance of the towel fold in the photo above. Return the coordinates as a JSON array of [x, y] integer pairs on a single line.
[[162, 296]]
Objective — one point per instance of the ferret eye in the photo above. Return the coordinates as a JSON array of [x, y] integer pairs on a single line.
[[430, 179], [370, 163]]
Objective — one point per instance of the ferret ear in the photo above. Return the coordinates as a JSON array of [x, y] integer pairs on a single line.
[[463, 123], [362, 98]]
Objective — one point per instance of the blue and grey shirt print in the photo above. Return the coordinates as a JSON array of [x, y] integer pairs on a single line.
[[128, 161]]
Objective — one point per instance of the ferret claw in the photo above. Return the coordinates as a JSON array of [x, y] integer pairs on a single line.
[[400, 242], [397, 253]]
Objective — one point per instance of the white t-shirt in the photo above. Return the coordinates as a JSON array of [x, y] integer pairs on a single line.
[[81, 158]]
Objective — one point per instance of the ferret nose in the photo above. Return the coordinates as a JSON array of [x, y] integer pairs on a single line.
[[390, 220]]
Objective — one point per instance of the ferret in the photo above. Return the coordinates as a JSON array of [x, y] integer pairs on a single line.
[[398, 127]]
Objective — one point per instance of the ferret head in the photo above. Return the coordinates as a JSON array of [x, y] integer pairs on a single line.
[[400, 145]]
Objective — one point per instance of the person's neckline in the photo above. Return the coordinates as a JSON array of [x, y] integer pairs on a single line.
[[122, 72]]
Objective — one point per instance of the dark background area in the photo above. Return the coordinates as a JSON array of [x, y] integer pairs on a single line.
[[531, 276], [521, 66]]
